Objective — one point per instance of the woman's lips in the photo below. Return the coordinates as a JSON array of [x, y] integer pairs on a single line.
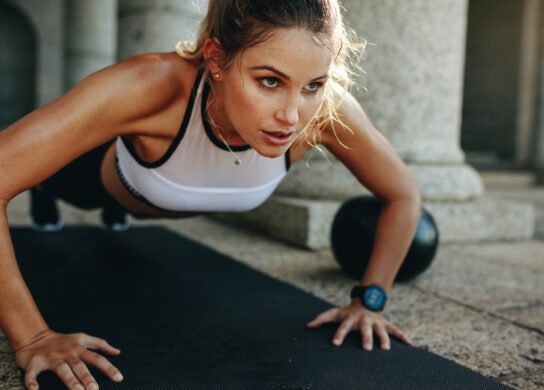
[[278, 138]]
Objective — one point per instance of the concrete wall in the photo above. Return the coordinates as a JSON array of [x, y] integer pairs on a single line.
[[91, 37], [17, 64], [157, 25], [414, 71], [495, 115], [529, 110], [492, 77], [47, 18]]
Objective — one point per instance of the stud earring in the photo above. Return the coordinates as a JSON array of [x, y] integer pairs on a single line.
[[217, 76]]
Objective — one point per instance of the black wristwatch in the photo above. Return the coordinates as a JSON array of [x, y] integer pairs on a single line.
[[373, 297]]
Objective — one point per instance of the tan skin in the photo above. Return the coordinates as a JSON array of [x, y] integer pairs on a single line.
[[274, 85]]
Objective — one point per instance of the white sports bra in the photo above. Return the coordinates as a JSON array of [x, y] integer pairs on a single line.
[[197, 172]]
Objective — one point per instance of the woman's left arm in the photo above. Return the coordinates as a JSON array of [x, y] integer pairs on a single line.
[[373, 161]]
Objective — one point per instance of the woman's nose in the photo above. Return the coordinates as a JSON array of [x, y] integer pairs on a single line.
[[288, 114]]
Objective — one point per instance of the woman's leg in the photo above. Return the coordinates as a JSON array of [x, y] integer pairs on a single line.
[[114, 218], [80, 185], [44, 214]]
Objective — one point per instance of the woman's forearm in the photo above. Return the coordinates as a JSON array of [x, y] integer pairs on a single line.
[[394, 233], [20, 319]]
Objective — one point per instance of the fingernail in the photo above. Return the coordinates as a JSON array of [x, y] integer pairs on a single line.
[[118, 377], [93, 386], [336, 341], [79, 387]]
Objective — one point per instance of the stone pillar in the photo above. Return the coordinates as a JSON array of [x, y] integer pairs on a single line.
[[91, 37], [47, 18], [537, 140], [537, 158], [414, 79], [18, 53], [157, 25], [528, 79]]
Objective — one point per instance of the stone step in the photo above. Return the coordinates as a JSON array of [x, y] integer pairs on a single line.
[[485, 161], [307, 223], [507, 179], [532, 195]]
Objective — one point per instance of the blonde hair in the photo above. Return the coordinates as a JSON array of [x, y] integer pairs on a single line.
[[239, 24]]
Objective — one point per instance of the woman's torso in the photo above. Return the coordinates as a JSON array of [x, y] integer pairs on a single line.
[[155, 138]]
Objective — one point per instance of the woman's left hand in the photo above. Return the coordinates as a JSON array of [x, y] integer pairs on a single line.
[[356, 317]]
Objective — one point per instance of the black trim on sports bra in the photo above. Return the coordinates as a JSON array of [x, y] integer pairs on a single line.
[[179, 136], [208, 128], [287, 159]]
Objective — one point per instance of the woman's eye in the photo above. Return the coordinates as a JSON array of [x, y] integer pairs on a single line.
[[269, 82], [313, 87]]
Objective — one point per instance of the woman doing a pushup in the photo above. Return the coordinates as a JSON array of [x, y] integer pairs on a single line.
[[209, 127]]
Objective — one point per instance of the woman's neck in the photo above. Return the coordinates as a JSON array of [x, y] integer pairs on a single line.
[[219, 121]]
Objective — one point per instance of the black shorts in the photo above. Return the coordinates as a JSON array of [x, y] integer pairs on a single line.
[[79, 183]]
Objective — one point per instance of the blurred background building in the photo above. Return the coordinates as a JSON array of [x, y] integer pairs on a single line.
[[453, 84]]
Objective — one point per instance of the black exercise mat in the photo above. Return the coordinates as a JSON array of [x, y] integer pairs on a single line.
[[187, 317]]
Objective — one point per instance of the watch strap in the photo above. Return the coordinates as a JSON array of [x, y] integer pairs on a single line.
[[375, 301]]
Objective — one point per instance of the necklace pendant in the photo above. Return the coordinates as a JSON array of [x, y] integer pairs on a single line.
[[237, 162]]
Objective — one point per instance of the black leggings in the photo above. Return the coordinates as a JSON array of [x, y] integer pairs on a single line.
[[79, 183]]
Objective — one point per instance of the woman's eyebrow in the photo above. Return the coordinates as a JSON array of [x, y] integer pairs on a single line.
[[280, 73]]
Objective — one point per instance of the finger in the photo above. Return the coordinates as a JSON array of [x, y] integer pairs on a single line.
[[103, 365], [99, 344], [366, 335], [82, 372], [394, 331], [330, 315], [31, 374], [345, 327], [380, 331], [31, 383], [65, 373]]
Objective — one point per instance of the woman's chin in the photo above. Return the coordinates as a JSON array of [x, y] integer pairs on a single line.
[[271, 152]]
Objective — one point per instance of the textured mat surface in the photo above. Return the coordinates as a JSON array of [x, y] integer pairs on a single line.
[[187, 317]]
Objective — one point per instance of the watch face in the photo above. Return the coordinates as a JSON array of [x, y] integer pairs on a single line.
[[374, 299]]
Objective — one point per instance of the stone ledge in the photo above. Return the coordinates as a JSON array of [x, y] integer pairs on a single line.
[[307, 222], [507, 180], [319, 179], [484, 219]]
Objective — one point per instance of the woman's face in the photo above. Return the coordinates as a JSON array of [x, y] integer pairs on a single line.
[[275, 86]]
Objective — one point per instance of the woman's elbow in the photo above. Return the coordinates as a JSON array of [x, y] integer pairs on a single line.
[[414, 202], [409, 201]]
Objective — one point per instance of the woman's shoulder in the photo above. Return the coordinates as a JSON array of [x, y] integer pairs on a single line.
[[140, 86], [160, 74]]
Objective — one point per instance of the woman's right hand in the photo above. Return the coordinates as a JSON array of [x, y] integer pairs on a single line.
[[67, 356]]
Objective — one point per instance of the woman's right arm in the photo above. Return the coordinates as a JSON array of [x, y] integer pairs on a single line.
[[118, 100]]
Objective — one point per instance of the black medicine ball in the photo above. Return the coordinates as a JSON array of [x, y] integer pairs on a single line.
[[353, 232]]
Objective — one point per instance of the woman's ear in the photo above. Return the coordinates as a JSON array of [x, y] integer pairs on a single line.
[[214, 56]]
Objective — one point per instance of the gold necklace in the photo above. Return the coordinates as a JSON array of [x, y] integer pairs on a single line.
[[237, 160]]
